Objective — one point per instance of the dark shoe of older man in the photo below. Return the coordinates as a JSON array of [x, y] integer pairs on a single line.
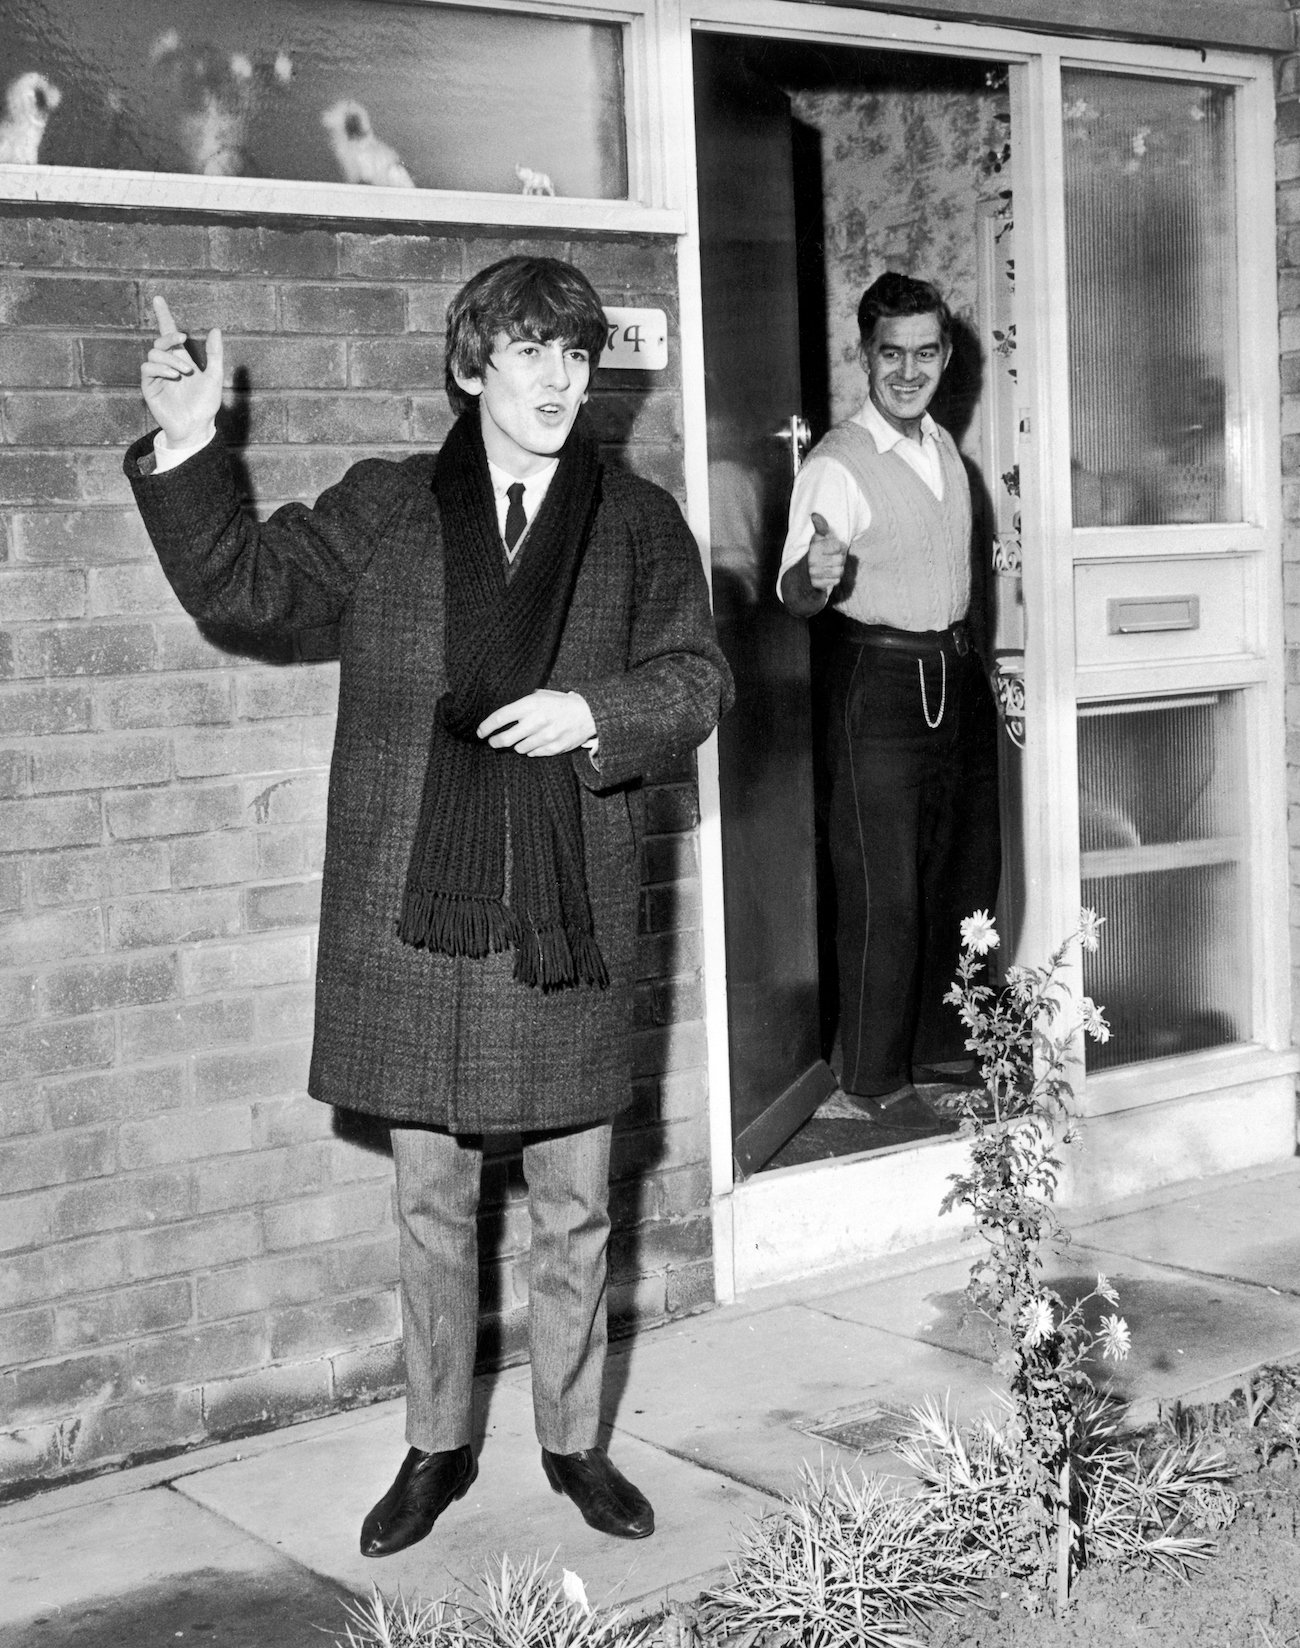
[[421, 1491], [607, 1500], [902, 1111]]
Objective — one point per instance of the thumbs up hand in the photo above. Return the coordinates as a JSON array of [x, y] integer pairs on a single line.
[[826, 556]]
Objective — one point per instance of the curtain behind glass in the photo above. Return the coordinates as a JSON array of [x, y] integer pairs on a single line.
[[1151, 263]]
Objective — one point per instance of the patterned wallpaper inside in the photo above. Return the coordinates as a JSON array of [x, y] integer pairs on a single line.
[[903, 171]]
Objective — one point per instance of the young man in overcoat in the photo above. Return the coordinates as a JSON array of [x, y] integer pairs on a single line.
[[524, 634]]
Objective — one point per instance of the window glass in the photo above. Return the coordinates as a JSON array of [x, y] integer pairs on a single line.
[[1163, 858], [439, 97], [1151, 260]]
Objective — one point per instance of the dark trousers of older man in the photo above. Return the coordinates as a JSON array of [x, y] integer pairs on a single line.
[[914, 838], [438, 1180]]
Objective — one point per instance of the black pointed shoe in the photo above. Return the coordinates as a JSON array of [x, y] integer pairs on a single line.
[[422, 1490], [608, 1501]]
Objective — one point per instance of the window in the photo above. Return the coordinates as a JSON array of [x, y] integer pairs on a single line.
[[1151, 259], [358, 93], [1162, 839]]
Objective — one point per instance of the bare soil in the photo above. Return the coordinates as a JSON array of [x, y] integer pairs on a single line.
[[1246, 1596]]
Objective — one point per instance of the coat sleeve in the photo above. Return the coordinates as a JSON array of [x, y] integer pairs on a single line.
[[292, 572], [677, 683]]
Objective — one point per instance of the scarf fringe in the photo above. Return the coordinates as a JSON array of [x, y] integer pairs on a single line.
[[557, 958], [460, 924], [456, 924]]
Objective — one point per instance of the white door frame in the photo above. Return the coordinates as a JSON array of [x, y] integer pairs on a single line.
[[791, 1222]]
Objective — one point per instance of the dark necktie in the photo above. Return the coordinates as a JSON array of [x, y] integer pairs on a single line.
[[516, 520]]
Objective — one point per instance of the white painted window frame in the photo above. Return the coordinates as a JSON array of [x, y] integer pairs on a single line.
[[1053, 545], [647, 210]]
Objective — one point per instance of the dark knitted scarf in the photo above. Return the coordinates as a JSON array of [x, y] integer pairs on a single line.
[[502, 638]]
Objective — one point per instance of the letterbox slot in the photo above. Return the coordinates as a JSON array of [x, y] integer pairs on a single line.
[[1150, 614]]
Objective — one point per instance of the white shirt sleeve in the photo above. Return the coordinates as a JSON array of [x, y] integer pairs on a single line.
[[168, 457], [825, 486]]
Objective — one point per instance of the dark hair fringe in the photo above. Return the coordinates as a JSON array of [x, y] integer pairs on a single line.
[[894, 294], [525, 297]]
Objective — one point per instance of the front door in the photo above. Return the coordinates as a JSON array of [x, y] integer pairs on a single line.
[[751, 358]]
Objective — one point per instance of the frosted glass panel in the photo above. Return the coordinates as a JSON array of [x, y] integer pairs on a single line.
[[1151, 261], [435, 97], [1162, 843]]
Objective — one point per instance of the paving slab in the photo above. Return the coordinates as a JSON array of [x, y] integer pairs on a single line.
[[753, 1395], [1188, 1330], [307, 1499], [1248, 1231], [152, 1568]]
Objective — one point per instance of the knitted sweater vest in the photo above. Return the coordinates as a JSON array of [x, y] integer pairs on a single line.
[[911, 568]]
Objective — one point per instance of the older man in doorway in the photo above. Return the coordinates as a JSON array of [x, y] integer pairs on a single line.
[[881, 535]]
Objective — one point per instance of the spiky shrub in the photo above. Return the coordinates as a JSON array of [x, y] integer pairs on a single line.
[[380, 1623], [1129, 1503], [518, 1605], [1050, 1486], [523, 1607], [846, 1563]]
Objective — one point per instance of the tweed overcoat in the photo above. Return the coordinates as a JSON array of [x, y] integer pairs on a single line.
[[401, 1033]]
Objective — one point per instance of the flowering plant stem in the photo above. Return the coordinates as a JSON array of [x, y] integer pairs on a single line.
[[1021, 1035]]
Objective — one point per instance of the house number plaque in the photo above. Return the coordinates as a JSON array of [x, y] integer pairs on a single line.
[[637, 340]]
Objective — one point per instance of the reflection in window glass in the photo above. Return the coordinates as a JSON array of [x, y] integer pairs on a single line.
[[439, 97], [1163, 858], [1151, 260]]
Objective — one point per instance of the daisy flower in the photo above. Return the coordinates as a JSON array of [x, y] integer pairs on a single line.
[[1114, 1337], [1020, 982], [1037, 1322], [1090, 929], [978, 933], [1093, 1022]]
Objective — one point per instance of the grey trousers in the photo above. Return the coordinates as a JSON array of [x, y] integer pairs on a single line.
[[438, 1177]]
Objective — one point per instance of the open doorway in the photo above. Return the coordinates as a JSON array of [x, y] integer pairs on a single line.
[[819, 167]]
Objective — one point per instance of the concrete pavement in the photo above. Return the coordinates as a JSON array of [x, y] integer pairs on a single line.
[[256, 1542]]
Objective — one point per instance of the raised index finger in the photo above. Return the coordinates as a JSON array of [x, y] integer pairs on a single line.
[[166, 324]]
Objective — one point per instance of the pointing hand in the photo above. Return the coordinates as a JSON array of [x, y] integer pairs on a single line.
[[183, 399]]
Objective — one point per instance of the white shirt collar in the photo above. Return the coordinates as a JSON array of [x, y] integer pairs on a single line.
[[534, 485], [883, 432]]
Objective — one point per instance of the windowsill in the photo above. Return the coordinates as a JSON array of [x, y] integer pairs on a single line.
[[84, 186], [1133, 1086]]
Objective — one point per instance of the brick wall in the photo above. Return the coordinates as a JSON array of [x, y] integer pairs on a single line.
[[1288, 276], [189, 1246]]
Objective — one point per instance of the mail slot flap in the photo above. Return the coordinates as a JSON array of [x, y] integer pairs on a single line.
[[1143, 614], [1159, 609]]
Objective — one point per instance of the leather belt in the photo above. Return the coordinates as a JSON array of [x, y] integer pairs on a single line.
[[918, 643]]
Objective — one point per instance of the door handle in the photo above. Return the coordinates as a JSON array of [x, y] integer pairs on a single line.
[[798, 433]]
